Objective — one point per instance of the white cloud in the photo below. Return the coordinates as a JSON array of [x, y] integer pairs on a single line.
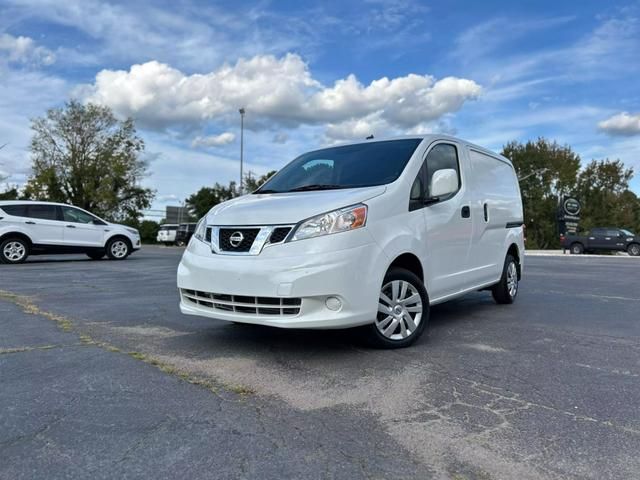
[[213, 140], [25, 50], [275, 91], [621, 124], [280, 137]]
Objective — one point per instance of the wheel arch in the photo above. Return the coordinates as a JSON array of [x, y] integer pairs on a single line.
[[21, 235], [514, 251], [119, 236], [408, 261]]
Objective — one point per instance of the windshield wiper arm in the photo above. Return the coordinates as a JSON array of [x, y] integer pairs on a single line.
[[267, 190], [316, 186]]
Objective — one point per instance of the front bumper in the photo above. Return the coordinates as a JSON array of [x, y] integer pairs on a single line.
[[352, 274]]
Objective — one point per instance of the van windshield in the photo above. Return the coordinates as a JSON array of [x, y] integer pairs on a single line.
[[350, 166]]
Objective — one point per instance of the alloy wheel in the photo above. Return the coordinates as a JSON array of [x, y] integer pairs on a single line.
[[14, 251], [399, 310], [512, 279], [119, 249]]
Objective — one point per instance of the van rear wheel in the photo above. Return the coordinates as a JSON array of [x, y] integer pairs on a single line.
[[403, 311], [506, 289]]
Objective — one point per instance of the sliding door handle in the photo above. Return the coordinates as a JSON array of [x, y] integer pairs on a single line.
[[465, 212], [30, 223]]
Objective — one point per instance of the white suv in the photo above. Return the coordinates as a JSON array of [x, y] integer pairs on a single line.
[[33, 228], [369, 234]]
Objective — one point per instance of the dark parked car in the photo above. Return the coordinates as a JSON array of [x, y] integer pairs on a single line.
[[184, 233], [603, 239]]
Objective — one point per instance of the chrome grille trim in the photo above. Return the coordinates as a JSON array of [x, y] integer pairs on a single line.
[[261, 241], [269, 306]]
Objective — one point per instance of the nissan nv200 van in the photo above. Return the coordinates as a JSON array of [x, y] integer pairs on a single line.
[[368, 235]]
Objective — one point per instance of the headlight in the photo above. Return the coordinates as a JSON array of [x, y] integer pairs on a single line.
[[201, 229], [341, 220], [133, 230]]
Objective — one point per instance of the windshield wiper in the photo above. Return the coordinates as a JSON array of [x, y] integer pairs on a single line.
[[316, 186], [266, 190]]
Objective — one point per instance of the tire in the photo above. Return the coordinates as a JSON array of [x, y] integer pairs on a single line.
[[96, 255], [398, 286], [14, 250], [506, 290], [118, 248], [168, 244], [577, 249], [634, 249]]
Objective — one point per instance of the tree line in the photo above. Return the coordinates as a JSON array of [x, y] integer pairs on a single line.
[[83, 155]]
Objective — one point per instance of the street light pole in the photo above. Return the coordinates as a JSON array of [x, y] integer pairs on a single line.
[[241, 146]]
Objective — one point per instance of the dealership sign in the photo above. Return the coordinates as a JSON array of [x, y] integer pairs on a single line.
[[568, 215]]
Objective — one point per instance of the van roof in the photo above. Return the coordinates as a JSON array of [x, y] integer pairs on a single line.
[[431, 137]]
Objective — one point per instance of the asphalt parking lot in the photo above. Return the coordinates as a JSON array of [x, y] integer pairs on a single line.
[[102, 377]]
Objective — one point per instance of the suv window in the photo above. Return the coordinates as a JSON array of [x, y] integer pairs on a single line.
[[15, 210], [443, 155], [74, 215], [612, 233], [44, 212]]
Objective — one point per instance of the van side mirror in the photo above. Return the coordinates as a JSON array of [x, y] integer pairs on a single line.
[[443, 182]]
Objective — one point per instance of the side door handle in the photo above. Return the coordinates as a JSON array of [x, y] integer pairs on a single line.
[[30, 223], [465, 212], [71, 226]]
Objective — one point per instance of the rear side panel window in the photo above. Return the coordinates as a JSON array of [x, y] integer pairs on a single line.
[[44, 212], [76, 216], [15, 210]]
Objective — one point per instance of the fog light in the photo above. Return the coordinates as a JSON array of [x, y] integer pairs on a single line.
[[333, 303]]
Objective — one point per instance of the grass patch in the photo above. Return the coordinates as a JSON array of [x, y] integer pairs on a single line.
[[31, 308]]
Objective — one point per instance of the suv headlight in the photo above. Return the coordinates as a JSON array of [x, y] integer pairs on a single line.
[[133, 231], [341, 220], [201, 229]]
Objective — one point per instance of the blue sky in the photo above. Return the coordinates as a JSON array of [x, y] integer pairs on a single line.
[[316, 73]]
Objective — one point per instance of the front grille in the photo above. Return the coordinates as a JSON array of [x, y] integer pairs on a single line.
[[279, 234], [248, 234], [207, 235], [243, 304]]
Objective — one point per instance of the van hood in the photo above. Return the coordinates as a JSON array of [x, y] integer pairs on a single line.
[[286, 208]]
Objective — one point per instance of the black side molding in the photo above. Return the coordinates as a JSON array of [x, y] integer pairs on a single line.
[[515, 224]]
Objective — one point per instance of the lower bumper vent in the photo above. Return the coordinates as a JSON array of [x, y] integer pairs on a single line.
[[243, 304]]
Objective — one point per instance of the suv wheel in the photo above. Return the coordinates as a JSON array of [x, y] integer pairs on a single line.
[[634, 249], [403, 310], [577, 249], [118, 249], [14, 250], [506, 289]]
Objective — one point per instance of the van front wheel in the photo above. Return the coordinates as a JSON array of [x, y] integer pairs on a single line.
[[403, 310], [506, 289]]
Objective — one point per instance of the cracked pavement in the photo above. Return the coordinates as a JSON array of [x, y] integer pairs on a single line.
[[101, 375]]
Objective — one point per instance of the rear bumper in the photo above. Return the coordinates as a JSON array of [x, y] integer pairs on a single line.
[[353, 275]]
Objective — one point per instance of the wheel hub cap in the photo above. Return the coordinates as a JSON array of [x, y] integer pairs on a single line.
[[399, 310], [512, 279]]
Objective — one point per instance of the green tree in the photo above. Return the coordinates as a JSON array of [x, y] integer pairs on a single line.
[[545, 170], [83, 155], [149, 231], [11, 193], [207, 197], [603, 189], [252, 183]]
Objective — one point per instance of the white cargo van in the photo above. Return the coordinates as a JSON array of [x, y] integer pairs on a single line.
[[367, 234]]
